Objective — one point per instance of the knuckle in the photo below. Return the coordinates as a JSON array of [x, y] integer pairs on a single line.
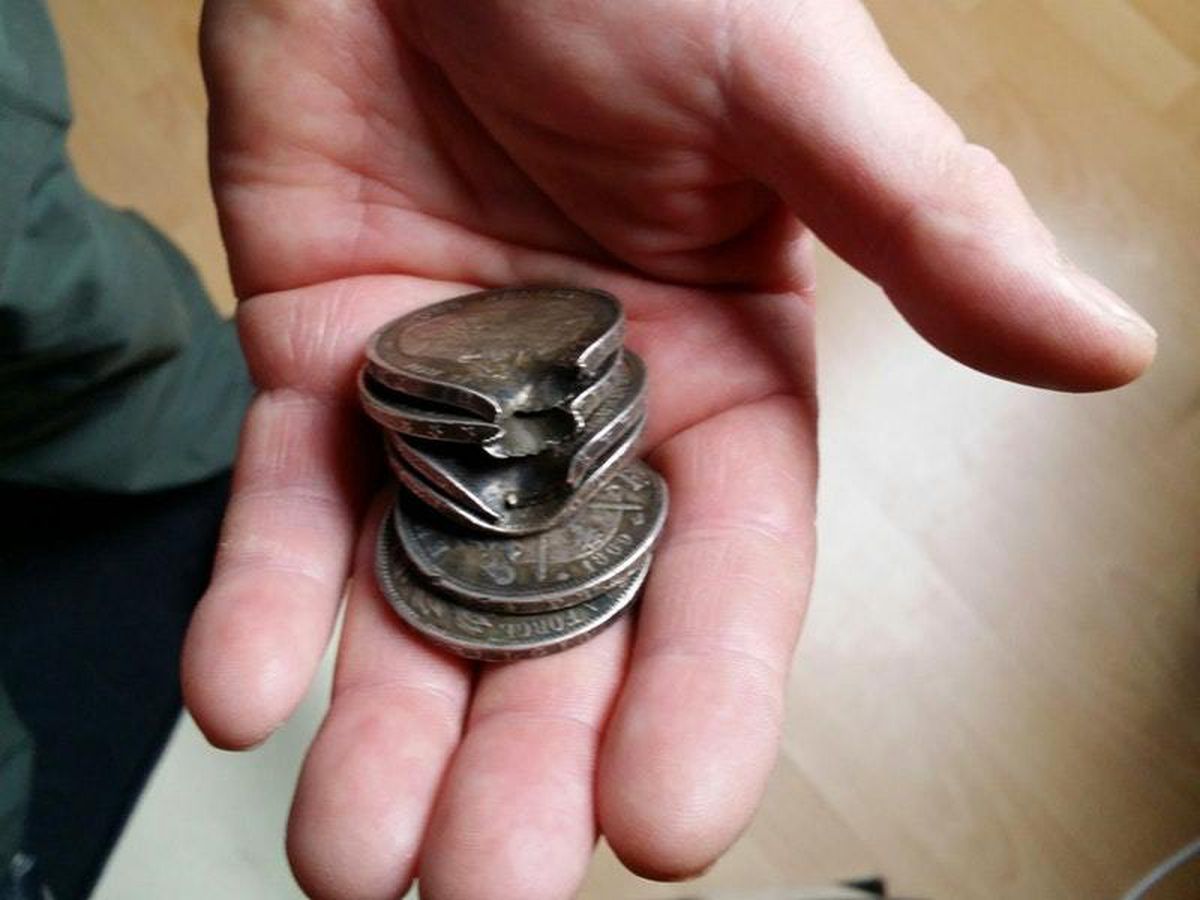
[[302, 342], [978, 167]]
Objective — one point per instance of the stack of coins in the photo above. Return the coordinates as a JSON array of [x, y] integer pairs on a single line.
[[524, 522]]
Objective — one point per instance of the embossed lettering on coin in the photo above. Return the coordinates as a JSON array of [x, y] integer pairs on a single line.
[[598, 545], [491, 634]]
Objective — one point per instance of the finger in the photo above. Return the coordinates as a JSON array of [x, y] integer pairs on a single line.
[[258, 632], [695, 731], [304, 465], [369, 781], [515, 817], [425, 190], [822, 112], [313, 338]]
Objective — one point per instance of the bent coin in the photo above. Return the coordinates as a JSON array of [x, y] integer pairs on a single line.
[[548, 510], [398, 413], [503, 353], [498, 489], [597, 546], [489, 634]]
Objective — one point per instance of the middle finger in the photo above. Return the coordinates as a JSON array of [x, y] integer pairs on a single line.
[[516, 817], [371, 775]]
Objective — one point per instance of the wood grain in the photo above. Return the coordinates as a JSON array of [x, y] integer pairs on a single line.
[[997, 693]]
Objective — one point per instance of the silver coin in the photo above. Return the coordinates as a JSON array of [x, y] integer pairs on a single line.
[[547, 512], [499, 489], [597, 546], [490, 634], [502, 353], [612, 376], [528, 434], [610, 418], [405, 415]]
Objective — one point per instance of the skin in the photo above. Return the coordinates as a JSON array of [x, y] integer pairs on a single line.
[[369, 158]]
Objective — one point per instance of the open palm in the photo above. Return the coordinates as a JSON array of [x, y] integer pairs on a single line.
[[369, 158]]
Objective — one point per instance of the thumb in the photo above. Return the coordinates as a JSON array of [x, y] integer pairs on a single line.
[[821, 112]]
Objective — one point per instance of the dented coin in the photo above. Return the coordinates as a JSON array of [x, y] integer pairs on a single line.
[[406, 415], [514, 357], [524, 523], [500, 492], [598, 545], [552, 508]]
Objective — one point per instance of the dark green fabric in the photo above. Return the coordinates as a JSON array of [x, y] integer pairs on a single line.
[[16, 772], [116, 374]]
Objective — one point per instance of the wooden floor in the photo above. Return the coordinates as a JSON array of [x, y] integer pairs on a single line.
[[998, 695]]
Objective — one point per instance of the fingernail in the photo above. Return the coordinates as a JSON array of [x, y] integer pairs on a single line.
[[1105, 301]]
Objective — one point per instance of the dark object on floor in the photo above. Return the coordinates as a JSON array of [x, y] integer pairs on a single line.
[[874, 886], [857, 889], [95, 596]]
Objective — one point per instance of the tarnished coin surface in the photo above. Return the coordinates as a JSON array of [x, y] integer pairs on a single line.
[[503, 353], [529, 434], [550, 510], [613, 375], [598, 545], [610, 419], [492, 634], [498, 488], [398, 413]]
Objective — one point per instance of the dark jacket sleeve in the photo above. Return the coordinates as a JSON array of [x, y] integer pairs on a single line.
[[116, 373], [16, 772]]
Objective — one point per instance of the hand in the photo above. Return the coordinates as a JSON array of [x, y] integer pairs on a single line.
[[371, 158]]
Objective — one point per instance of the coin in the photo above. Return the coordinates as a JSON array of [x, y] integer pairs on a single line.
[[611, 378], [490, 634], [598, 545], [406, 415], [528, 434], [495, 488], [623, 404], [503, 353], [467, 510]]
